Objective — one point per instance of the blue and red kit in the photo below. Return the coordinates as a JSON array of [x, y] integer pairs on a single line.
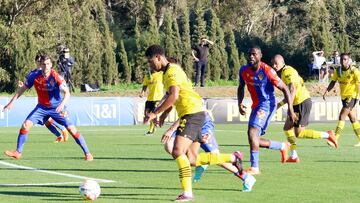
[[260, 84]]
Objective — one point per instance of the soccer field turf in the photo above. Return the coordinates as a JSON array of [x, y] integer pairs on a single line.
[[143, 172]]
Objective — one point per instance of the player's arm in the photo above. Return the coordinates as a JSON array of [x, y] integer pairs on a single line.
[[281, 86], [329, 88], [170, 131], [240, 97], [193, 55], [292, 90], [18, 93], [143, 90], [173, 95], [209, 42], [65, 90]]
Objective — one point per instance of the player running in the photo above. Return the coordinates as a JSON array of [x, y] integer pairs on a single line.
[[348, 77], [302, 107], [152, 82], [208, 144], [51, 103], [192, 116], [260, 80]]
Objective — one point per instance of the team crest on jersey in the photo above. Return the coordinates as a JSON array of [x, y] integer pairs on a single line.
[[52, 83], [260, 76]]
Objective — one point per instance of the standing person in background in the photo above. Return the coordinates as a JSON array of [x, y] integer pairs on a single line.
[[153, 83], [348, 77], [318, 63], [302, 107], [200, 55], [66, 63]]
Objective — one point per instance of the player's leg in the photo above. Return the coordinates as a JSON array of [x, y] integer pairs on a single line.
[[149, 106], [355, 125], [181, 146], [49, 125], [64, 132], [63, 119], [36, 116], [260, 122]]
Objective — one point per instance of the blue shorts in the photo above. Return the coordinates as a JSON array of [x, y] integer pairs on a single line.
[[260, 117], [207, 129], [41, 114]]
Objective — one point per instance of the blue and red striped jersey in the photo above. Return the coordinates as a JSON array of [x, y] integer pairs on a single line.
[[260, 83], [47, 89]]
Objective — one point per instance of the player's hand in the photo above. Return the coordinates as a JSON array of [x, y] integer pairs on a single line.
[[20, 84], [242, 109], [166, 136], [149, 117], [162, 119], [59, 108], [293, 117], [7, 107], [141, 95], [205, 138], [196, 59]]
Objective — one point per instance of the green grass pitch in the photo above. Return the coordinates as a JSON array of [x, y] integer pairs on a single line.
[[145, 173]]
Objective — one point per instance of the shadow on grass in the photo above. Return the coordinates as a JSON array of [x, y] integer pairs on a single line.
[[67, 196], [97, 170]]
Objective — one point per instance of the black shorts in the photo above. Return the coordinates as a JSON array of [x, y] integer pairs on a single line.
[[151, 105], [349, 103], [303, 110], [191, 125]]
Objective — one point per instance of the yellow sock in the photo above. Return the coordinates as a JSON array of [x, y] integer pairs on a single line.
[[356, 127], [310, 134], [339, 128], [290, 135], [212, 158], [184, 173], [152, 127]]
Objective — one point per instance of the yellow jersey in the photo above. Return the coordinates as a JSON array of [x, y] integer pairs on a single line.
[[290, 75], [348, 81], [189, 102], [155, 86]]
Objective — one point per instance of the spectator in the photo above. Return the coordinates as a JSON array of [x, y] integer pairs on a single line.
[[66, 63], [319, 61], [334, 62], [200, 57]]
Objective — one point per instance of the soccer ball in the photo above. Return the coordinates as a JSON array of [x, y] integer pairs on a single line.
[[90, 190]]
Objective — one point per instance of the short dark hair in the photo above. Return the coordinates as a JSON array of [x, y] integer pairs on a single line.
[[44, 58], [38, 57], [345, 54], [255, 47], [153, 50]]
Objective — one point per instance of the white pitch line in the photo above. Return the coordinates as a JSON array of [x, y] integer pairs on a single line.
[[55, 173], [37, 184]]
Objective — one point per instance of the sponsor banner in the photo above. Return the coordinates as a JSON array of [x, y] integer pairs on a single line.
[[227, 110], [85, 111]]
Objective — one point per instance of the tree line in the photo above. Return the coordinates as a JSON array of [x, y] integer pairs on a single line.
[[108, 37]]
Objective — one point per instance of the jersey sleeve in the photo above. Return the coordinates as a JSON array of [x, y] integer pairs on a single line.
[[241, 79], [29, 81], [173, 78], [289, 76], [271, 74], [335, 76], [357, 75], [146, 81]]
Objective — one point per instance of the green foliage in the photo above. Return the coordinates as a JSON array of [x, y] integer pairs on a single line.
[[124, 68], [233, 59], [98, 33]]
